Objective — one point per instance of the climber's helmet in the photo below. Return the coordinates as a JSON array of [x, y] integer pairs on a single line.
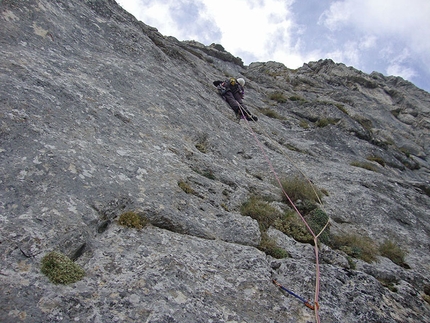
[[241, 81]]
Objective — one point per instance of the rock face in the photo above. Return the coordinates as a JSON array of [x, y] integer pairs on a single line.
[[101, 114]]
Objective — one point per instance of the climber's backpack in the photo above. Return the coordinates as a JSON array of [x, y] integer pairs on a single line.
[[221, 89]]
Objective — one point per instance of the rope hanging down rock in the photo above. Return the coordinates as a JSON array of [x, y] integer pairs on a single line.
[[314, 307]]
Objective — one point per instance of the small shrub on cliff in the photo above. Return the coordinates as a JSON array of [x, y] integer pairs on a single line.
[[426, 294], [278, 97], [293, 226], [186, 187], [324, 122], [60, 269], [297, 98], [260, 210], [270, 247], [355, 246], [393, 252], [364, 165], [298, 188], [202, 143], [317, 219], [132, 220], [377, 159], [266, 215], [304, 124], [271, 113]]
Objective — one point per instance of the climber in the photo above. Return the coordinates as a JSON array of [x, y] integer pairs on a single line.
[[232, 91]]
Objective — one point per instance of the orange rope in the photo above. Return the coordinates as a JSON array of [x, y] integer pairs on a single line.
[[317, 265]]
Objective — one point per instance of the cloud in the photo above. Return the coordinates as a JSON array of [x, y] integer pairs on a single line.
[[407, 20], [402, 24], [398, 66], [252, 29], [371, 35]]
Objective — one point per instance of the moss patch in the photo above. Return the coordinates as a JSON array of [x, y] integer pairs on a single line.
[[60, 269], [131, 219]]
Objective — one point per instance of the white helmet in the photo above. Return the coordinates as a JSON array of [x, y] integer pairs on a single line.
[[241, 81]]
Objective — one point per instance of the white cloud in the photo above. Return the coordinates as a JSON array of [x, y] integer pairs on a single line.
[[367, 34], [405, 19], [261, 28], [250, 29], [397, 66]]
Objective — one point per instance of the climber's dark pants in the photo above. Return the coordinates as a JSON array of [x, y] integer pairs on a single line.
[[234, 100]]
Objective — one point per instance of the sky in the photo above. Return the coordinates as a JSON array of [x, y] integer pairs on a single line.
[[391, 37]]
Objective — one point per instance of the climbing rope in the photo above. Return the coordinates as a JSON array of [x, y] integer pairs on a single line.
[[314, 307]]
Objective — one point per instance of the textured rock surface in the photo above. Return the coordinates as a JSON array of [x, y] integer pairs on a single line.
[[101, 114]]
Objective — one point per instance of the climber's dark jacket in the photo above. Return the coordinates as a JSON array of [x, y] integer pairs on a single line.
[[233, 93]]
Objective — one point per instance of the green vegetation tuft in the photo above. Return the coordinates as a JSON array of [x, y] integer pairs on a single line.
[[260, 210], [132, 220], [266, 215], [186, 187], [202, 144], [317, 219], [364, 165], [60, 269], [269, 247], [304, 124], [278, 97], [271, 114], [393, 252], [298, 188], [377, 159], [297, 98], [291, 225], [304, 196], [355, 246], [390, 284], [202, 148], [324, 122], [341, 107]]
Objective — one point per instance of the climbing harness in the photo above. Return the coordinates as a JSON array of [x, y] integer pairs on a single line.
[[315, 236], [307, 303]]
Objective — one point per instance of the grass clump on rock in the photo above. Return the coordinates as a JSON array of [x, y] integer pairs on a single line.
[[278, 97], [324, 122], [60, 269], [131, 219], [186, 187], [271, 114], [266, 215], [393, 252], [300, 189], [364, 165], [293, 226], [355, 246], [377, 159], [260, 210], [270, 247]]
